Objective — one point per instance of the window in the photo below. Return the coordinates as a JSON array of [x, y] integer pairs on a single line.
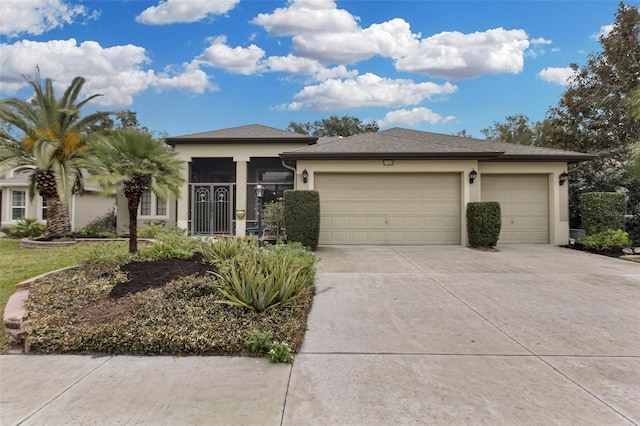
[[43, 212], [150, 206], [275, 176], [18, 204], [145, 204], [161, 207]]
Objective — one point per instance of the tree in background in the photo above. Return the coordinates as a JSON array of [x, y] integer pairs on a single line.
[[595, 116], [516, 129], [334, 126], [125, 119], [49, 135], [132, 160]]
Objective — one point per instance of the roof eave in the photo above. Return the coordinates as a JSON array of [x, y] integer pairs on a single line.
[[201, 141], [569, 158], [389, 155]]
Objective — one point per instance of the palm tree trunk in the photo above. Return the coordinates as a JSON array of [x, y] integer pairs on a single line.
[[58, 221], [133, 201]]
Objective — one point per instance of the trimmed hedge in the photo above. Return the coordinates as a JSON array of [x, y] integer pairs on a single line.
[[484, 221], [602, 211], [302, 217]]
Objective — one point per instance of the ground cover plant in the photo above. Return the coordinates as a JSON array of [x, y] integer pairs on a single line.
[[18, 264], [157, 304]]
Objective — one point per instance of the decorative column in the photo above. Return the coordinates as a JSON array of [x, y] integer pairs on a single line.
[[241, 196]]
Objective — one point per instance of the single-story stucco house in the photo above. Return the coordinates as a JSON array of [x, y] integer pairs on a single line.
[[15, 202], [396, 186]]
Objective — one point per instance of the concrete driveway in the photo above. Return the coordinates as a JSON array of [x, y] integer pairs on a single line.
[[397, 335]]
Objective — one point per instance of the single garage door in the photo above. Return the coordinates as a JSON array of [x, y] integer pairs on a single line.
[[389, 208], [524, 201]]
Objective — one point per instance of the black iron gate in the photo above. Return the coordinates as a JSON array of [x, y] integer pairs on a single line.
[[211, 209]]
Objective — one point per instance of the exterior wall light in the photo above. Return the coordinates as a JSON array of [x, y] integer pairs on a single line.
[[564, 176], [305, 176], [472, 175]]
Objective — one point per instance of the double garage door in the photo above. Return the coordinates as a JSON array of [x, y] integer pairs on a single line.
[[425, 208], [389, 208]]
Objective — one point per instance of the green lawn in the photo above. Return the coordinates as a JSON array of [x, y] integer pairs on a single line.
[[18, 264]]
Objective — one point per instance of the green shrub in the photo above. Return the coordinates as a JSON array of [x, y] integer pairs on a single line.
[[280, 353], [484, 221], [107, 254], [302, 217], [152, 229], [104, 225], [608, 239], [25, 227], [170, 243], [602, 211], [258, 340], [262, 279], [273, 217], [222, 252]]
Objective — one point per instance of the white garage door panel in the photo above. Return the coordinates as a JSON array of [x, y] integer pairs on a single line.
[[389, 208], [524, 201]]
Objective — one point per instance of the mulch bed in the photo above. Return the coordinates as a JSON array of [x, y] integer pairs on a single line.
[[146, 275]]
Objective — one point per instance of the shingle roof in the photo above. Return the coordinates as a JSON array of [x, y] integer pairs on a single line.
[[397, 143], [251, 133]]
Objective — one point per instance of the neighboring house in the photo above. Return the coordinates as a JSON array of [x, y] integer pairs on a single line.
[[16, 204], [396, 186]]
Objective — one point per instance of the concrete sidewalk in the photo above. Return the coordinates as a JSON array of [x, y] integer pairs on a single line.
[[397, 335]]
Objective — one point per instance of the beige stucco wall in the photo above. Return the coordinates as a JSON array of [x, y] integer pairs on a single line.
[[241, 154], [82, 210], [558, 195], [89, 206]]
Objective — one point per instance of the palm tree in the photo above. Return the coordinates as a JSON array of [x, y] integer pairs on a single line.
[[135, 162], [51, 136]]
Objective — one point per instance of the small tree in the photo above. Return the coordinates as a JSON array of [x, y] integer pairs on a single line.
[[273, 216], [135, 162]]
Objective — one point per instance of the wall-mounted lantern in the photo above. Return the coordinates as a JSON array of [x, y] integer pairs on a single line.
[[305, 176], [472, 175], [564, 176]]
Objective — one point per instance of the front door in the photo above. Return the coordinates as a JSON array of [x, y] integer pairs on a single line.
[[211, 209]]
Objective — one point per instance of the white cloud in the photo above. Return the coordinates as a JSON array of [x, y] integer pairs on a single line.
[[540, 40], [389, 39], [368, 90], [604, 31], [303, 66], [37, 16], [307, 17], [117, 72], [413, 117], [238, 60], [327, 34], [557, 75], [181, 11], [454, 55]]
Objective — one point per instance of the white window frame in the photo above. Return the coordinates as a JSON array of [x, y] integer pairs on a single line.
[[153, 208], [16, 206]]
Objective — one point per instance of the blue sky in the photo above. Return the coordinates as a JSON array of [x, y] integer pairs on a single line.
[[188, 66]]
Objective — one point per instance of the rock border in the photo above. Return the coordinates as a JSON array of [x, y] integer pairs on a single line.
[[14, 311]]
